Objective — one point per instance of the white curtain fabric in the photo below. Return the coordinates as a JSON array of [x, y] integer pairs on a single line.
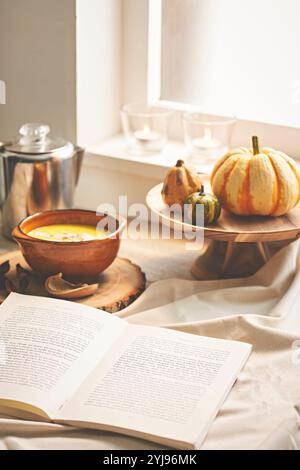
[[263, 409]]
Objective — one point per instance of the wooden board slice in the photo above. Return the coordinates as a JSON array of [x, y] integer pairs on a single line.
[[118, 287]]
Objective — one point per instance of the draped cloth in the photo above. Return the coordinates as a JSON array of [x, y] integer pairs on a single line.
[[262, 410]]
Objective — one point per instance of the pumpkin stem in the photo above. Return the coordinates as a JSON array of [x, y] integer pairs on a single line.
[[179, 163], [255, 145]]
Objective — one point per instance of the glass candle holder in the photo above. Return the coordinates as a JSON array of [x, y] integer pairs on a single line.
[[146, 127], [207, 139]]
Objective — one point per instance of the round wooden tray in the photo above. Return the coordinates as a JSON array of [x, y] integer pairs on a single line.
[[235, 246], [118, 287], [235, 228]]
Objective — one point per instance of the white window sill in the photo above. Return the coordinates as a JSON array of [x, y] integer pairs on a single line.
[[113, 154]]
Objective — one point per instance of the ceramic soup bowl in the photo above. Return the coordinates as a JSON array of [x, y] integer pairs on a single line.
[[82, 260]]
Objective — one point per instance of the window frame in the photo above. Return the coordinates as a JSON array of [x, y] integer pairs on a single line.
[[277, 136]]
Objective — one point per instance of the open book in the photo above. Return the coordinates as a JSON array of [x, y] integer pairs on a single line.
[[68, 363]]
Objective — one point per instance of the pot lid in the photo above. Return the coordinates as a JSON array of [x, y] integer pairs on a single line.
[[35, 140]]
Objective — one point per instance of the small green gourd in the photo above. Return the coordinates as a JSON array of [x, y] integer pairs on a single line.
[[211, 208]]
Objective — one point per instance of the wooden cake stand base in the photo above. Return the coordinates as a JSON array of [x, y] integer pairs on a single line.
[[118, 286], [227, 260]]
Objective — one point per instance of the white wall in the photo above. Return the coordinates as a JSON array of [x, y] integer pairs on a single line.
[[101, 186], [119, 81], [37, 63], [99, 69], [134, 50], [72, 64], [44, 46]]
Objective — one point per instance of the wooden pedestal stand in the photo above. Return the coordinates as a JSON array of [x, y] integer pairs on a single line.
[[221, 260], [235, 246]]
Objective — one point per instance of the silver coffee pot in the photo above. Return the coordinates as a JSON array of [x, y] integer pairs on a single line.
[[37, 173]]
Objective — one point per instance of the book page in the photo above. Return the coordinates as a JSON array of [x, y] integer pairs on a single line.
[[159, 382], [48, 347]]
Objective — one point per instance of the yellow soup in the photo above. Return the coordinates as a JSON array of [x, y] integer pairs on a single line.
[[67, 233]]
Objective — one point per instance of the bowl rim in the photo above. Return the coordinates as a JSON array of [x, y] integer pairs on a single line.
[[120, 219]]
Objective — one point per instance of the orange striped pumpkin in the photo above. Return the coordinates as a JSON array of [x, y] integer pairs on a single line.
[[256, 182]]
